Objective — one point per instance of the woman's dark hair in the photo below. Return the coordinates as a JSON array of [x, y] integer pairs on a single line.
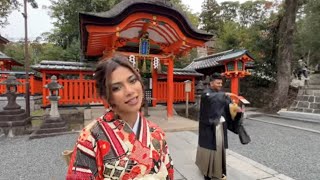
[[103, 72]]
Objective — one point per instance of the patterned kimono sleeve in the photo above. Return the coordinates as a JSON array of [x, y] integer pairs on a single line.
[[83, 164], [168, 161]]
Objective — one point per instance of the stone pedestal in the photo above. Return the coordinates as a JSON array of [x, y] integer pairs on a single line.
[[50, 127], [13, 119], [53, 124]]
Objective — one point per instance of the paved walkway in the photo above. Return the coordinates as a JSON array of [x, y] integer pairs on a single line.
[[183, 145]]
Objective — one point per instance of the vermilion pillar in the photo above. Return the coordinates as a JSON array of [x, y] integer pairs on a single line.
[[154, 87], [170, 89], [81, 88], [44, 98], [235, 85]]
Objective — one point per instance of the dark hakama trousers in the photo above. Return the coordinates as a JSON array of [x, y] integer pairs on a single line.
[[212, 163]]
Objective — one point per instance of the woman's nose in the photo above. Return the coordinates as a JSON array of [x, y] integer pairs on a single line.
[[128, 89]]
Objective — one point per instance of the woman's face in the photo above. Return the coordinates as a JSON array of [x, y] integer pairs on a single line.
[[126, 91]]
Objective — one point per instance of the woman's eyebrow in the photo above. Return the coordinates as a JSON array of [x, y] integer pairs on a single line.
[[132, 76], [115, 83]]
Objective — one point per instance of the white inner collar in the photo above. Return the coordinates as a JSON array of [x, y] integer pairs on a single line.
[[136, 124]]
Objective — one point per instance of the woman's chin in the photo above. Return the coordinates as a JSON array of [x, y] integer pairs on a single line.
[[134, 108]]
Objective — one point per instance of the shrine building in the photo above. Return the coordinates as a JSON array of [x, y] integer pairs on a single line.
[[151, 33]]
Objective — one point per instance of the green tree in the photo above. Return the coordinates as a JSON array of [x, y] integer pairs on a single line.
[[307, 42], [252, 12], [210, 16], [66, 13], [287, 18], [193, 17], [183, 61], [229, 36], [15, 50], [229, 11], [7, 6]]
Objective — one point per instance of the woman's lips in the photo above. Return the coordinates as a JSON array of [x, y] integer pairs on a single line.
[[132, 101]]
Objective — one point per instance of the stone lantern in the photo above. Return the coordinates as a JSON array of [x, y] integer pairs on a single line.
[[13, 119], [53, 124], [54, 97], [199, 88], [11, 86]]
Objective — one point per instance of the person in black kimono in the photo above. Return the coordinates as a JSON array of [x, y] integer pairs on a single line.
[[215, 119]]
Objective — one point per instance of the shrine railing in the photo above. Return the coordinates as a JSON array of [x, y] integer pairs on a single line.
[[35, 86], [179, 93], [81, 92], [74, 92]]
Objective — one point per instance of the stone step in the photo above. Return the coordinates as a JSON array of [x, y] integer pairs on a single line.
[[13, 117], [310, 92], [305, 110], [37, 136], [313, 86], [53, 124], [21, 122], [306, 104], [302, 115], [51, 130], [301, 105], [308, 98], [314, 79]]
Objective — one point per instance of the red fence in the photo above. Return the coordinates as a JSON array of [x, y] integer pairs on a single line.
[[179, 94], [74, 92], [35, 86], [80, 92]]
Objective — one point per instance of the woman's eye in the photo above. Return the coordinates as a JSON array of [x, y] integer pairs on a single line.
[[115, 88], [132, 81]]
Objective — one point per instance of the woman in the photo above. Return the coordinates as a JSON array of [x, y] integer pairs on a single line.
[[121, 144]]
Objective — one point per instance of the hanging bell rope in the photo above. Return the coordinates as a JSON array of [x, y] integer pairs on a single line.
[[137, 63], [159, 68], [144, 65]]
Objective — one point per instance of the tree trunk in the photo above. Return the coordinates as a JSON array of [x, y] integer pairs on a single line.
[[285, 53]]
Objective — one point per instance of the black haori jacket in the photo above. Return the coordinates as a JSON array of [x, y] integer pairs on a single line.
[[214, 105]]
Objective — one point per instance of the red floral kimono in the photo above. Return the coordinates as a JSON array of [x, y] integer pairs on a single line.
[[108, 149]]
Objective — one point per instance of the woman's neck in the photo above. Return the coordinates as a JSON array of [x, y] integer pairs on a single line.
[[129, 118]]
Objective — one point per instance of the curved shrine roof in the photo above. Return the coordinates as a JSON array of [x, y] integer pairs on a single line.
[[4, 57], [63, 66], [184, 72], [164, 33], [217, 59]]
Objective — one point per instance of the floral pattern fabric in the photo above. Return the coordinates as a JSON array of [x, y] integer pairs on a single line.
[[108, 149]]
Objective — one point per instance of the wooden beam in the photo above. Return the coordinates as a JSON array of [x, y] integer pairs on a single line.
[[149, 56], [173, 48]]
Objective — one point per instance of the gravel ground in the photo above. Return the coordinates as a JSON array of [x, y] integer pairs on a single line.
[[292, 152], [38, 159]]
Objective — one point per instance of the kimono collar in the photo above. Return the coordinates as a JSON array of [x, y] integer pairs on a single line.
[[136, 124]]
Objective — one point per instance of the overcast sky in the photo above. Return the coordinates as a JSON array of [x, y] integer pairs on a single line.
[[39, 20]]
